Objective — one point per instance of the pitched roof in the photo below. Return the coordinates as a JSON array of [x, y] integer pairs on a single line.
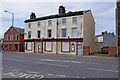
[[57, 16], [21, 30]]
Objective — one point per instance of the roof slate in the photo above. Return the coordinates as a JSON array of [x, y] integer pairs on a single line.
[[57, 16]]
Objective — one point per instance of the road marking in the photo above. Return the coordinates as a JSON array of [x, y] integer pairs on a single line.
[[14, 59], [81, 77], [103, 70], [26, 74], [57, 75], [52, 64], [77, 77], [32, 72], [53, 60]]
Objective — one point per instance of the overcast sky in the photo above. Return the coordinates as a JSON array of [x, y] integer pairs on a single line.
[[103, 12]]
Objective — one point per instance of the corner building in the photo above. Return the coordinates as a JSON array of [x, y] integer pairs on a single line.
[[63, 33]]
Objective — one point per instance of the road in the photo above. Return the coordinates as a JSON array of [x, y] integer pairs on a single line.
[[32, 65]]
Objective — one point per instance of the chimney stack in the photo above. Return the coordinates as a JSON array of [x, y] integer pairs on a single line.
[[32, 16], [61, 10]]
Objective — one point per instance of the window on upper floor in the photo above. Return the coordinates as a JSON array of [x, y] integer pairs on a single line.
[[49, 22], [16, 37], [64, 21], [29, 25], [49, 33], [6, 37], [100, 39], [38, 24], [38, 34], [11, 37], [74, 32], [64, 31], [29, 34], [74, 20]]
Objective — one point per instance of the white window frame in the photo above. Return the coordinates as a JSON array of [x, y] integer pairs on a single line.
[[29, 46], [48, 33], [64, 32], [11, 37], [64, 21], [74, 20], [49, 22], [48, 46], [74, 34]]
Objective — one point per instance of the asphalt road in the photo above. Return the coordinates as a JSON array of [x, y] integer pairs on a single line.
[[32, 65]]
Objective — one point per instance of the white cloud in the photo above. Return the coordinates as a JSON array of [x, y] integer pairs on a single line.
[[101, 11], [58, 1]]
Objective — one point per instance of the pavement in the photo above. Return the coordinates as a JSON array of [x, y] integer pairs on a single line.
[[40, 65]]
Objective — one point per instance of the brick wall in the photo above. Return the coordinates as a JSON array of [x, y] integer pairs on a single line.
[[112, 51], [86, 50]]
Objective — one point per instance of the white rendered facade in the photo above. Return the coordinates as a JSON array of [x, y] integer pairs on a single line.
[[67, 36]]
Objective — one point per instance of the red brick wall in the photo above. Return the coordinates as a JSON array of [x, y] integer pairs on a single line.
[[20, 42], [118, 26], [86, 50], [112, 51]]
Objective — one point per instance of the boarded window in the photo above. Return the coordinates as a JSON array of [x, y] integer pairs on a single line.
[[65, 46], [29, 46], [48, 46]]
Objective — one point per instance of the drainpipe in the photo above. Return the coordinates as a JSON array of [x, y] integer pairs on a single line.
[[57, 37]]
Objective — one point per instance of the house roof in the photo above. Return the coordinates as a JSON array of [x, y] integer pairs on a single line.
[[57, 16], [98, 35], [21, 30]]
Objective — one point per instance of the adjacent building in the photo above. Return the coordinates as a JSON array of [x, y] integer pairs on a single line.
[[106, 44], [106, 39], [118, 26], [14, 39], [63, 33]]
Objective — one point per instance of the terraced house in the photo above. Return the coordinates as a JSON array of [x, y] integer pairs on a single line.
[[63, 33]]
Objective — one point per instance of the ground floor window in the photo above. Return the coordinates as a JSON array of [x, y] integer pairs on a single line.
[[73, 47], [10, 46], [16, 46], [29, 46], [39, 47], [65, 46], [48, 46], [5, 46]]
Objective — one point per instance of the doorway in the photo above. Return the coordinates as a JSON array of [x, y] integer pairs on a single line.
[[79, 49]]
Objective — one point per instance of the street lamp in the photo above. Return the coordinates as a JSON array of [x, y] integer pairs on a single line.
[[12, 17]]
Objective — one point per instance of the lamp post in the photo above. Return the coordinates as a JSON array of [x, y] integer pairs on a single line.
[[12, 17], [12, 27]]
